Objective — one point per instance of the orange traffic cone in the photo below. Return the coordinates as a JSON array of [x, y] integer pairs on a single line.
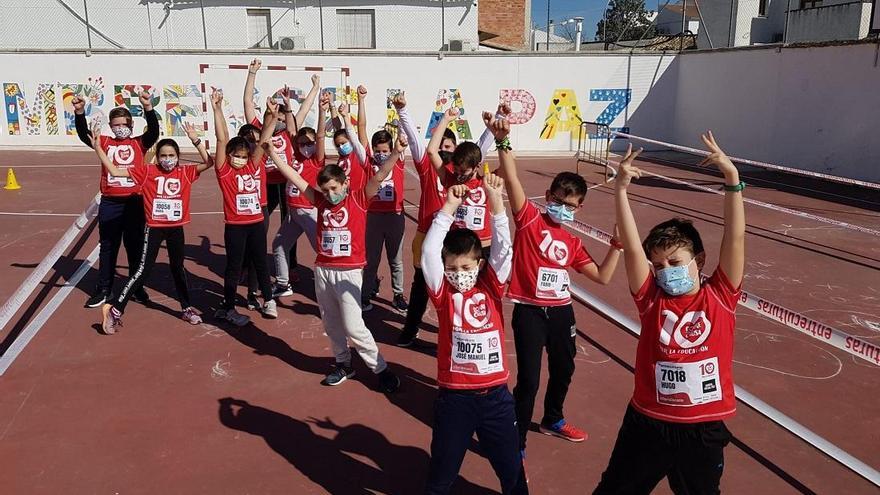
[[11, 182]]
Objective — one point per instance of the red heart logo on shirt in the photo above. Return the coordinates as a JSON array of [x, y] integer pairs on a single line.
[[248, 182], [559, 252], [124, 154], [172, 187], [479, 310], [693, 330], [278, 142]]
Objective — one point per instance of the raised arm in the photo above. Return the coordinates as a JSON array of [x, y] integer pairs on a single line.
[[375, 181], [732, 257], [193, 136], [289, 173], [321, 131], [290, 121], [349, 132], [501, 252], [432, 247], [602, 273], [79, 120], [266, 132], [112, 169], [362, 117], [149, 138], [437, 138], [250, 111], [634, 258], [306, 105], [221, 130], [500, 128], [416, 148]]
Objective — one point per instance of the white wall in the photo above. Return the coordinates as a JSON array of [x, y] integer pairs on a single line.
[[570, 79], [812, 108]]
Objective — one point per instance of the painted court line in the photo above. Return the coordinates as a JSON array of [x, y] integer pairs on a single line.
[[43, 316]]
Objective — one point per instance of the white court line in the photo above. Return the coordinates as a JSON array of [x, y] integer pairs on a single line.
[[43, 316], [60, 165], [37, 214]]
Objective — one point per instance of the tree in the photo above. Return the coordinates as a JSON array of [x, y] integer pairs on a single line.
[[625, 20]]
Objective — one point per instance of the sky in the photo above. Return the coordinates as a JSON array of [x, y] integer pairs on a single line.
[[560, 10]]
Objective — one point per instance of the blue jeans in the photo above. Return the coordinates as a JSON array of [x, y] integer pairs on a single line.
[[457, 415]]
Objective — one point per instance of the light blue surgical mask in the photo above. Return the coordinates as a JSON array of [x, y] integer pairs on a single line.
[[345, 149], [336, 198], [675, 280], [559, 213]]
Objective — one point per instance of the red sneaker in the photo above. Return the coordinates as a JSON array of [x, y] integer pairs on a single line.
[[564, 430]]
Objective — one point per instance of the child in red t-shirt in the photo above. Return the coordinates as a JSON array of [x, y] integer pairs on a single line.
[[165, 187], [684, 390], [342, 212], [472, 369]]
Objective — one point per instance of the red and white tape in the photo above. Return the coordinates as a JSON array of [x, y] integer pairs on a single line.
[[856, 346], [756, 163]]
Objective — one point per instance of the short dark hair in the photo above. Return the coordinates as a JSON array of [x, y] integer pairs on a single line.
[[673, 233], [331, 172], [247, 131], [569, 184], [306, 131], [467, 154], [238, 143], [168, 142], [121, 112], [448, 134], [339, 132], [460, 242], [381, 137]]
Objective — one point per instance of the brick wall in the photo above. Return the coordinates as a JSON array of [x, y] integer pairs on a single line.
[[508, 19]]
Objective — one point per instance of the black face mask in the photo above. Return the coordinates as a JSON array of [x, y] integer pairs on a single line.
[[446, 156]]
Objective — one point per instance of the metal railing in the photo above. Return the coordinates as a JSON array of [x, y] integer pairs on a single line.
[[594, 147]]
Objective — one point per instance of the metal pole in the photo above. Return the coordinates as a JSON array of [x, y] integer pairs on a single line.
[[88, 26], [730, 39], [579, 28], [785, 29], [150, 23], [681, 39], [605, 24], [442, 23], [548, 25], [703, 25], [321, 21], [204, 29]]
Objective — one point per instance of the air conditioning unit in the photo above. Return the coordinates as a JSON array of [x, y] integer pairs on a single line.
[[291, 43], [461, 46]]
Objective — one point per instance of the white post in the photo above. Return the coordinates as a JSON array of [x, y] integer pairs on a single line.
[[579, 28]]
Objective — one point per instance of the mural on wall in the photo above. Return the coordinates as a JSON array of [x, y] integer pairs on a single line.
[[518, 98], [18, 110], [391, 117], [446, 99], [179, 112], [93, 94], [619, 99], [563, 114]]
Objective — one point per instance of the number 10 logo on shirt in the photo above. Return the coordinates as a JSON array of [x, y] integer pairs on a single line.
[[689, 331], [475, 310]]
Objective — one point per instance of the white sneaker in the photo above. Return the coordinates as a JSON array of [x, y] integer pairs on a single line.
[[236, 318], [270, 310], [282, 290]]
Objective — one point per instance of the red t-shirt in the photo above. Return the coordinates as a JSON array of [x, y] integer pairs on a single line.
[[166, 194], [241, 193], [470, 340], [542, 252], [433, 194], [308, 169], [341, 233], [474, 211], [389, 197], [684, 371], [355, 170], [125, 154], [284, 146]]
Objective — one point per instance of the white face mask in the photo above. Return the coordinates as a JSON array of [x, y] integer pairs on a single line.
[[239, 162], [121, 131], [464, 280], [168, 164]]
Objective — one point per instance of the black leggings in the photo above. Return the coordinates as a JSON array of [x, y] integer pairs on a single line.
[[120, 222], [245, 242], [174, 242]]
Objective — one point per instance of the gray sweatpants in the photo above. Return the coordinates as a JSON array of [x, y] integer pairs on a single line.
[[384, 229], [339, 296], [299, 221]]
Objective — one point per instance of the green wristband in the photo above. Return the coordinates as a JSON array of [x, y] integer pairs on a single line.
[[503, 144], [737, 188]]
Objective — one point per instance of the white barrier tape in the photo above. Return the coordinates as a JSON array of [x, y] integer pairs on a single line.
[[12, 305], [845, 342], [770, 206], [755, 163], [744, 396]]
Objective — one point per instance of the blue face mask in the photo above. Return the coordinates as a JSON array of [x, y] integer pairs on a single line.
[[559, 213], [345, 149], [675, 280], [336, 198]]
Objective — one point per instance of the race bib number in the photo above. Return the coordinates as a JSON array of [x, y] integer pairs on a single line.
[[688, 384], [336, 243], [386, 191], [477, 353], [247, 204], [120, 181], [473, 217], [270, 165], [552, 283], [168, 209]]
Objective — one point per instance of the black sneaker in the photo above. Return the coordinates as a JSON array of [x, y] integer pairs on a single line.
[[340, 373], [399, 304], [97, 300], [375, 293], [141, 296], [388, 381], [407, 338], [366, 305], [252, 303], [282, 291]]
